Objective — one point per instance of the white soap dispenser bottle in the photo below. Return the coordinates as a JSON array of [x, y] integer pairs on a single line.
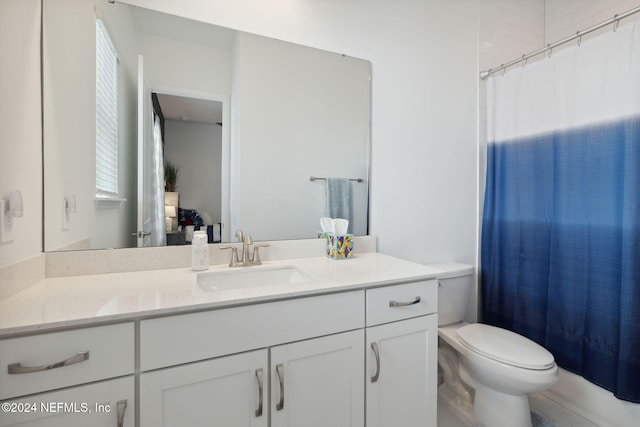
[[199, 251]]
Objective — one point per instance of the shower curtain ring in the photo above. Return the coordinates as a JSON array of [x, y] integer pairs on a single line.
[[549, 51], [524, 60], [616, 22], [579, 38]]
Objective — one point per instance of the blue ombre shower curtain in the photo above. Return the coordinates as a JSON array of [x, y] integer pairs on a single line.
[[560, 259]]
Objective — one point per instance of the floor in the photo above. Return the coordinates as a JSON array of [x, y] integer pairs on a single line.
[[546, 413], [446, 418]]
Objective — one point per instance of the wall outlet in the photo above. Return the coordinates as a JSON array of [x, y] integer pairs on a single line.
[[6, 223]]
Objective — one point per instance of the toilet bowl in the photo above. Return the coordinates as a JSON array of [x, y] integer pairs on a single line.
[[502, 367]]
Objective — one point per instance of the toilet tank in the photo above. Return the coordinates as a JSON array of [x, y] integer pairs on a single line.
[[454, 289]]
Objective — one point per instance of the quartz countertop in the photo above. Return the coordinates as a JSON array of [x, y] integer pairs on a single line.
[[64, 302]]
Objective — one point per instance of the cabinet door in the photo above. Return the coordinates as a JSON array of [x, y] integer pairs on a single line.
[[230, 391], [104, 404], [319, 382], [402, 373]]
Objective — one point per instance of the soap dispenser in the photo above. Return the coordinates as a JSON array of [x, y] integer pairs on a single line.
[[199, 251]]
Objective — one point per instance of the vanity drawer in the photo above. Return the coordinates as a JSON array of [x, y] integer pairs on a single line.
[[44, 362], [392, 303], [174, 340]]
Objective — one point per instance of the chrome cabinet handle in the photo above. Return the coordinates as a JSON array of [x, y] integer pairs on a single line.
[[374, 347], [260, 393], [280, 372], [122, 406], [141, 234], [404, 304], [17, 368]]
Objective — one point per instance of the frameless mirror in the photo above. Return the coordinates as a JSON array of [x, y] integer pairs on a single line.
[[247, 120]]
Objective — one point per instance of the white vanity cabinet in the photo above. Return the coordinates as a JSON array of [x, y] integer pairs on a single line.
[[316, 382], [228, 391], [341, 355], [42, 377], [402, 333], [104, 404], [316, 370], [319, 382]]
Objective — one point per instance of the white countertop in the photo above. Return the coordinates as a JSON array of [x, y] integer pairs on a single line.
[[86, 300]]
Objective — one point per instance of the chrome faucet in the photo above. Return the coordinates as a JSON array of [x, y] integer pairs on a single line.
[[245, 259], [246, 244]]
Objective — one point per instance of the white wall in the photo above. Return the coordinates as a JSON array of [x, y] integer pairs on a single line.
[[424, 154], [183, 66], [424, 108], [290, 123], [424, 105], [565, 17], [424, 114], [69, 126], [21, 136], [197, 149], [69, 119]]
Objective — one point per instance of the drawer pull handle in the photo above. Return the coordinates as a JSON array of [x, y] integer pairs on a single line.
[[280, 372], [122, 406], [374, 347], [404, 304], [17, 368], [260, 393]]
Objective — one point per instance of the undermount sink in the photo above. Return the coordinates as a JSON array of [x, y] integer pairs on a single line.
[[243, 278]]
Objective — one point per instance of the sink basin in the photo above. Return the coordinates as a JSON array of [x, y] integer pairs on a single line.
[[248, 277]]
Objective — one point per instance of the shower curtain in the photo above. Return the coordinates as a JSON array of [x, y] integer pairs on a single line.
[[156, 225], [560, 258]]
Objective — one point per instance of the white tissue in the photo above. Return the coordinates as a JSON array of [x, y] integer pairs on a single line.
[[337, 226], [340, 226], [326, 224]]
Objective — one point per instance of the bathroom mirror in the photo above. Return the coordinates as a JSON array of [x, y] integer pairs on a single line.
[[285, 113]]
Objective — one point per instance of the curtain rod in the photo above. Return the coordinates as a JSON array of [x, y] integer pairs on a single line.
[[615, 20], [315, 178]]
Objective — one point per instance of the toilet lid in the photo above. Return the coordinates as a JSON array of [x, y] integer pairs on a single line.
[[505, 346]]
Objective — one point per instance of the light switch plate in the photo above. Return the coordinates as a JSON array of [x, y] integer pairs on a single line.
[[6, 232]]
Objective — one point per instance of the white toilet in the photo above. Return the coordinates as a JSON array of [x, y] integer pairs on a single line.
[[500, 366]]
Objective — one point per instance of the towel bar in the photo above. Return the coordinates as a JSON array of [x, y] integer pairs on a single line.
[[315, 178]]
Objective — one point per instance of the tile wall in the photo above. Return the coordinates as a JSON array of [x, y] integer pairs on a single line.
[[565, 17]]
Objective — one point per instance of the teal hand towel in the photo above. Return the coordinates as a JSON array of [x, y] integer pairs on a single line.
[[339, 199]]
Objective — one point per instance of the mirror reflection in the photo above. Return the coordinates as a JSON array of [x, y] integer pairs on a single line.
[[131, 95]]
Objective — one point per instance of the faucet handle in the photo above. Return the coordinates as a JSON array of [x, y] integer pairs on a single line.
[[255, 259], [234, 255]]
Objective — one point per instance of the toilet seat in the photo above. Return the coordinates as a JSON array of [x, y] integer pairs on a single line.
[[505, 346]]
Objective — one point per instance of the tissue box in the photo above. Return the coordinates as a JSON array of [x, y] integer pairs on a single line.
[[339, 246]]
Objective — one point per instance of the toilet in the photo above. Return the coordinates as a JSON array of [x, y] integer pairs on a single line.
[[488, 372]]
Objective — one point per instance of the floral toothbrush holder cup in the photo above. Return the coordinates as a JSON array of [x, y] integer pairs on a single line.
[[339, 246]]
